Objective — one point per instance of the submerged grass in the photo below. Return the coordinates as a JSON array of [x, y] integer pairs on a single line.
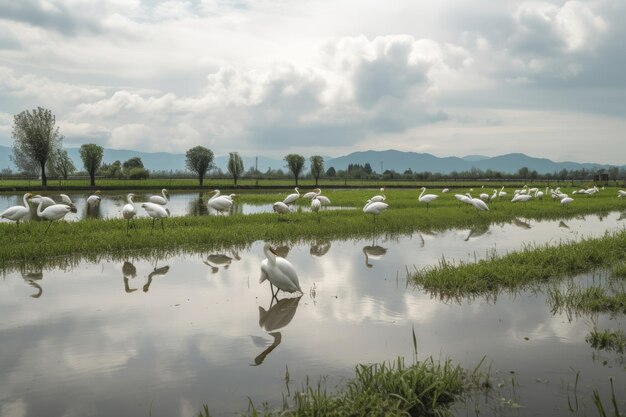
[[529, 266], [92, 239]]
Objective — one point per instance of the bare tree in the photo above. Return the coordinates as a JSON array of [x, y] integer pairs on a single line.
[[36, 138], [235, 165]]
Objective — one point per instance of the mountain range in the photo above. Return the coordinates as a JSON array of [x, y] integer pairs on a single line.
[[389, 159]]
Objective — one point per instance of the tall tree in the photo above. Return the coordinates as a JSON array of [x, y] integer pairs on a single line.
[[317, 167], [36, 137], [199, 161], [235, 165], [134, 162], [295, 163], [91, 154], [61, 164]]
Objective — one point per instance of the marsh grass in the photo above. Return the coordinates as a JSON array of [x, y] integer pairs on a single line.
[[607, 340], [91, 239], [529, 266], [587, 300], [425, 388]]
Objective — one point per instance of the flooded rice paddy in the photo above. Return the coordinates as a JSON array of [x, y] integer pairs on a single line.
[[161, 337]]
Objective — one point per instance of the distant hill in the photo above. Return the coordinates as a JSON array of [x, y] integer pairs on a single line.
[[419, 162], [390, 159]]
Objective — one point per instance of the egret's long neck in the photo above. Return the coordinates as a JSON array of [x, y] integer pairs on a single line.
[[271, 258], [297, 191], [422, 193], [25, 200], [39, 207], [163, 194], [129, 198]]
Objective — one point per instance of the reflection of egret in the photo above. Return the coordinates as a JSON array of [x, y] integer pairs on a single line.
[[129, 271], [52, 213], [563, 225], [279, 272], [477, 230], [159, 199], [278, 316], [31, 277], [520, 223], [622, 216], [214, 261], [157, 271], [320, 248], [373, 252], [17, 213], [156, 212], [282, 250]]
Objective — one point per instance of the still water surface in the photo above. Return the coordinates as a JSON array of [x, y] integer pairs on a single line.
[[164, 336]]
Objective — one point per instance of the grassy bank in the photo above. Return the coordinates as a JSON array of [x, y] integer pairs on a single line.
[[529, 266], [92, 239]]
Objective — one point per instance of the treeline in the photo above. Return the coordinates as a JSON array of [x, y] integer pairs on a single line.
[[38, 151]]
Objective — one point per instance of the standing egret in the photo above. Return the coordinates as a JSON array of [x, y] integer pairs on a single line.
[[291, 198], [502, 193], [129, 211], [94, 199], [280, 208], [159, 199], [324, 200], [428, 198], [17, 213], [311, 194], [524, 198], [279, 272], [494, 195], [484, 196], [65, 199], [47, 201], [621, 194], [220, 203], [52, 213], [566, 201], [156, 211], [316, 204], [478, 204], [375, 208]]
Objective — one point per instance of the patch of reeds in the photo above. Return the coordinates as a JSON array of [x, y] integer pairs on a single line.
[[529, 266], [607, 340]]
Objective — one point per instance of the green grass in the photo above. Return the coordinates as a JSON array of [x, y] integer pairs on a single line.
[[587, 300], [608, 340], [425, 388], [517, 270], [93, 239]]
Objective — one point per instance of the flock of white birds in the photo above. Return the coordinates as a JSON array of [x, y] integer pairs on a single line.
[[50, 210]]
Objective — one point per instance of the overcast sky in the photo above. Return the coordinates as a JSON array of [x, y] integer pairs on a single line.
[[329, 77]]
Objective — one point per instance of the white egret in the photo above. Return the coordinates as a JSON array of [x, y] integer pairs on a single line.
[[375, 208], [47, 201], [484, 196], [52, 213], [291, 198], [621, 194], [280, 208], [494, 195], [311, 194], [94, 199], [566, 200], [159, 199], [524, 198], [445, 190], [428, 198], [478, 204], [279, 272], [220, 203], [324, 200], [380, 197], [129, 211], [462, 198], [316, 205], [65, 199], [17, 213], [502, 193], [157, 212]]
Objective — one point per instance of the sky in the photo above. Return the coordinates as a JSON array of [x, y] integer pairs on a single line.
[[327, 77]]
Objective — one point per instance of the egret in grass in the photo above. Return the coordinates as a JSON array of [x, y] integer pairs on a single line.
[[220, 203], [379, 198], [159, 199], [311, 194], [621, 194], [566, 201], [524, 198], [52, 213], [129, 211], [280, 208], [478, 204], [17, 213], [445, 190], [157, 212], [428, 198], [374, 208], [47, 201], [279, 272], [502, 193], [316, 205], [325, 201], [484, 196], [291, 198], [94, 199]]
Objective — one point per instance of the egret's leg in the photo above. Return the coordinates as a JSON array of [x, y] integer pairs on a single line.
[[49, 224], [162, 225]]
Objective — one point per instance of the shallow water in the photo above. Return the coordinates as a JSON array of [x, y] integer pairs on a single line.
[[164, 336]]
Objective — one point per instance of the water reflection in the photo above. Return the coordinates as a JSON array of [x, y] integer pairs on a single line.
[[563, 225], [477, 231], [622, 216], [31, 277], [373, 252], [320, 248], [128, 271], [521, 223], [277, 317], [197, 206], [156, 272], [217, 260]]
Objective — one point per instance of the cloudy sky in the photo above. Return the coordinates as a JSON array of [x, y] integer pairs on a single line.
[[270, 77]]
